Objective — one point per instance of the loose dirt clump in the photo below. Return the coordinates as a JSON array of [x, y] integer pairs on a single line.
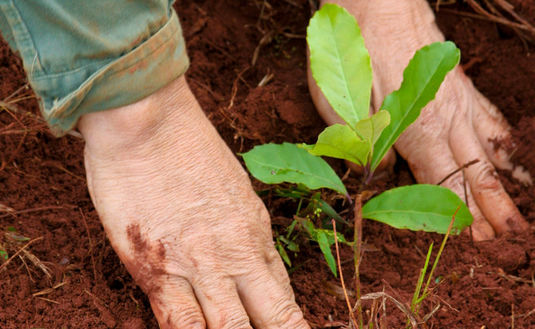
[[248, 72]]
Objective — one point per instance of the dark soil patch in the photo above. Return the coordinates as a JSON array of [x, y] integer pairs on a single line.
[[483, 284]]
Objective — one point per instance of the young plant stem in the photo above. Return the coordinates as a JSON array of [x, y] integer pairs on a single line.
[[351, 315], [435, 263], [420, 282], [368, 174], [357, 250]]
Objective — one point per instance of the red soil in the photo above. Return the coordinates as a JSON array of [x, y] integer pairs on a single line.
[[42, 178]]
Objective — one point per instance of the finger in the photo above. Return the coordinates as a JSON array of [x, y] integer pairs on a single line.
[[270, 304], [221, 303], [494, 135], [481, 229], [278, 270], [492, 131], [431, 164], [175, 305], [489, 194]]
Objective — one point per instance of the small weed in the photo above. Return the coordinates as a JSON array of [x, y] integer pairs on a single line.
[[312, 218]]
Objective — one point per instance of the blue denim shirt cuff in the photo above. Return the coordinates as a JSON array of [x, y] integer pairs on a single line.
[[135, 75]]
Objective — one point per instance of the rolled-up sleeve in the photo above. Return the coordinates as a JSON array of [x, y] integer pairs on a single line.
[[87, 56]]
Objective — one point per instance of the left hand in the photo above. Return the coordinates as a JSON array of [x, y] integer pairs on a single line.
[[459, 126]]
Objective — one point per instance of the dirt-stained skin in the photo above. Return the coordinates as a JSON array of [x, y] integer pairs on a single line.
[[147, 262]]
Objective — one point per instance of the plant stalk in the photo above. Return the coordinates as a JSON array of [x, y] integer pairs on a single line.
[[440, 250], [351, 315], [357, 253]]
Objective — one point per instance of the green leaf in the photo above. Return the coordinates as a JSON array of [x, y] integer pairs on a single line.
[[325, 247], [419, 207], [416, 296], [290, 229], [292, 246], [325, 239], [341, 142], [340, 62], [313, 232], [421, 81], [372, 127], [330, 236], [329, 211], [277, 163], [310, 228], [283, 254]]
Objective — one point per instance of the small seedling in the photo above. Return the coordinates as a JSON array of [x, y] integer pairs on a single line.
[[341, 66], [311, 210]]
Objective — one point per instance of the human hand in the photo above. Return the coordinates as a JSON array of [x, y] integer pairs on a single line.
[[459, 126], [181, 214]]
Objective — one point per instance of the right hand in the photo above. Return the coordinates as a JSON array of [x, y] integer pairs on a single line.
[[181, 214]]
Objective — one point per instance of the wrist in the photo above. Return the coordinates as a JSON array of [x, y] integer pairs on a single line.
[[138, 124]]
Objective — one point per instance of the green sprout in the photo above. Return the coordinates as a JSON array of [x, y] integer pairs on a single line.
[[341, 66]]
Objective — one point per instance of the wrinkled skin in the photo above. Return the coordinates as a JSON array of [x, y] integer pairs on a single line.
[[181, 214], [459, 126]]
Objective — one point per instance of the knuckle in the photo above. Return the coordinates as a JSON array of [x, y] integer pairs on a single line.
[[188, 318], [238, 321], [287, 314], [271, 255], [485, 179], [456, 184]]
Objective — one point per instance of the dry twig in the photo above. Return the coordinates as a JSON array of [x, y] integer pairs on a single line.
[[351, 311], [399, 305], [3, 266], [493, 14], [49, 290]]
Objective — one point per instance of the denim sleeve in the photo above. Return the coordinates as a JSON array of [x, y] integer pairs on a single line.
[[85, 56]]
